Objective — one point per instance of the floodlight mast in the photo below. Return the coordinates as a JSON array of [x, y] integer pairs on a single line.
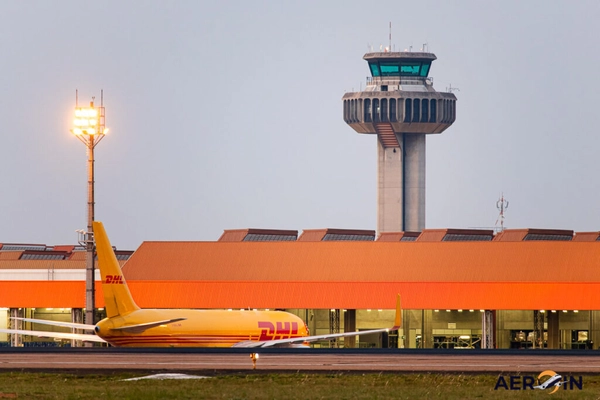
[[89, 127]]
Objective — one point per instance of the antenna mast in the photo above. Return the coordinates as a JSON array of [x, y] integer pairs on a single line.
[[451, 89], [501, 205], [390, 36]]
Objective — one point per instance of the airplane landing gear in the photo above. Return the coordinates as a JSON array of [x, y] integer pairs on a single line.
[[254, 357]]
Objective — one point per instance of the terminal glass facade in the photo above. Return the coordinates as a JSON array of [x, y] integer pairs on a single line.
[[462, 329]]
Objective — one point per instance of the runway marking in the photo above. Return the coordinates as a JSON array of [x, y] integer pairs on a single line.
[[167, 376]]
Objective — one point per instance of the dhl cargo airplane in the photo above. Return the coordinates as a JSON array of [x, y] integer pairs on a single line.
[[126, 324]]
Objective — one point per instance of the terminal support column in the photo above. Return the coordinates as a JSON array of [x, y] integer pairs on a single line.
[[594, 334], [426, 329], [16, 340], [350, 326], [334, 325], [487, 329], [553, 332], [76, 317]]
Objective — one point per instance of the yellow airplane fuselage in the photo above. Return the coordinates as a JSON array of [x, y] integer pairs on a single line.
[[200, 328]]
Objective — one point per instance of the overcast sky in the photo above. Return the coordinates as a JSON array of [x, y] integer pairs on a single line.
[[228, 114]]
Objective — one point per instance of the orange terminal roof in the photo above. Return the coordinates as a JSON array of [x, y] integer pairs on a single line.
[[362, 275], [535, 261]]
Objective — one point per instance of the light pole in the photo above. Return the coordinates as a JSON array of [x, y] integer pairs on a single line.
[[89, 127]]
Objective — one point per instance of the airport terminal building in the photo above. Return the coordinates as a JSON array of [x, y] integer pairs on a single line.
[[460, 289], [519, 288]]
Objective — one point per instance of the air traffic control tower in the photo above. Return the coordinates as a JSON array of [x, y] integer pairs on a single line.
[[400, 106]]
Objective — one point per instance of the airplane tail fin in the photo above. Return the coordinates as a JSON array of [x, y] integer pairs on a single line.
[[117, 298]]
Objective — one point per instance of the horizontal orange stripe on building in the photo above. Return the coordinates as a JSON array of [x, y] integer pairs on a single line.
[[316, 295]]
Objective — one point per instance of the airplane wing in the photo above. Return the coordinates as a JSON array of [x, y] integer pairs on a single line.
[[57, 323], [129, 329], [142, 327], [56, 335], [80, 336], [301, 340]]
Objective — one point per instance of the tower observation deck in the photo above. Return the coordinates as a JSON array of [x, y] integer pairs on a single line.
[[400, 106]]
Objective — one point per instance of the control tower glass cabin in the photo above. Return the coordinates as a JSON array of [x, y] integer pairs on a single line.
[[400, 106]]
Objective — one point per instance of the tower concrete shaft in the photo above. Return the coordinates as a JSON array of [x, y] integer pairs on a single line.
[[401, 184], [400, 106]]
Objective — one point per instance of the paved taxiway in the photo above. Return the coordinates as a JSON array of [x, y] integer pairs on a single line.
[[227, 362]]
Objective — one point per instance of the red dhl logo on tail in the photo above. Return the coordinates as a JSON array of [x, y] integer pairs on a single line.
[[284, 330], [114, 279]]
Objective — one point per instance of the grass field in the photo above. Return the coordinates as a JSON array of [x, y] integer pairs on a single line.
[[276, 386]]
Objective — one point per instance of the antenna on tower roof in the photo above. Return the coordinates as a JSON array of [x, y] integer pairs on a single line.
[[390, 36], [501, 205], [451, 89]]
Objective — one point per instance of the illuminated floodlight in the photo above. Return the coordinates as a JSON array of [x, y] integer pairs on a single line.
[[89, 123]]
